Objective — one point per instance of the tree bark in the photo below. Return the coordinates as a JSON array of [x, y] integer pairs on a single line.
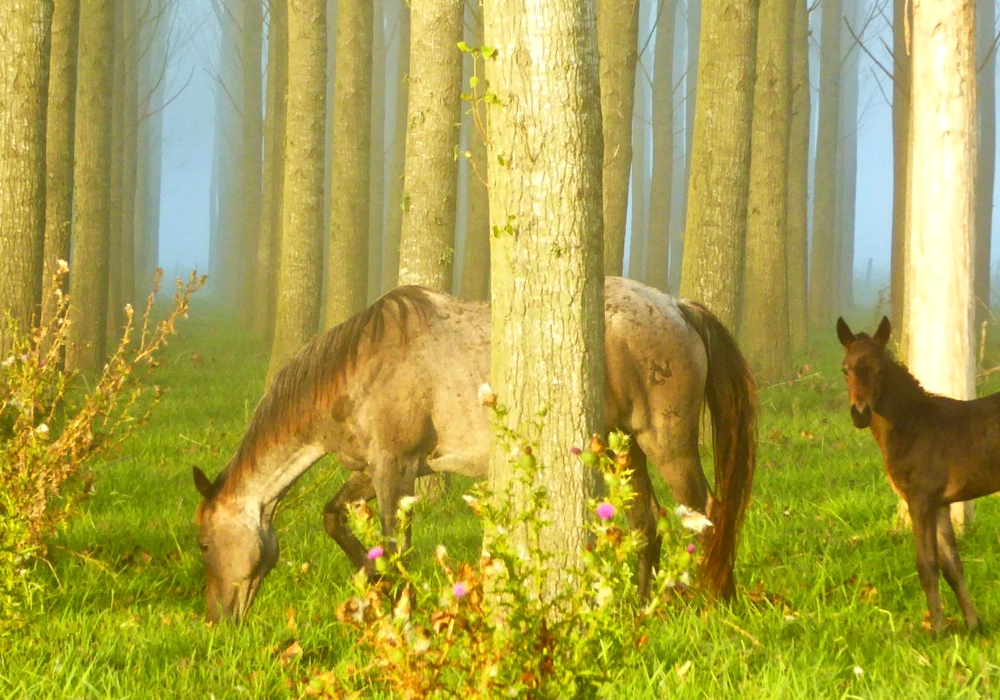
[[300, 274], [661, 182], [642, 120], [60, 118], [719, 185], [85, 350], [901, 85], [765, 299], [545, 202], [376, 168], [617, 39], [798, 182], [940, 299], [986, 161], [394, 224], [430, 183]]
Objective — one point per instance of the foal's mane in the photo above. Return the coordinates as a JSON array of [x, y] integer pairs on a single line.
[[311, 380], [899, 387]]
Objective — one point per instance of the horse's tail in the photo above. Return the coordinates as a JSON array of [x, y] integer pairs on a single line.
[[732, 402]]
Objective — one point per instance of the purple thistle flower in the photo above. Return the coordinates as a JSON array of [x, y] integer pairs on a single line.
[[575, 451], [375, 552], [459, 589], [691, 548], [605, 511]]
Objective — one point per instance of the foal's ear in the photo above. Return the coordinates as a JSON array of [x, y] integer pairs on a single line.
[[882, 334], [844, 334], [202, 483]]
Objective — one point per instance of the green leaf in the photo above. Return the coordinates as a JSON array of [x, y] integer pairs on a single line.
[[474, 81], [487, 51], [464, 47]]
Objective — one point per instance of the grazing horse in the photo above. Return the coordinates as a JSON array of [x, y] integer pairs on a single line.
[[936, 450], [393, 393]]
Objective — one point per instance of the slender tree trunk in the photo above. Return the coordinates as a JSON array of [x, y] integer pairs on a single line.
[[24, 79], [427, 243], [85, 349], [347, 284], [765, 299], [719, 185], [661, 181], [300, 273], [130, 128], [942, 206], [823, 301], [58, 169], [617, 38], [986, 161], [269, 248], [847, 158], [642, 121], [115, 315], [394, 224], [376, 169], [901, 82], [547, 273], [476, 262], [690, 102], [798, 182], [251, 47]]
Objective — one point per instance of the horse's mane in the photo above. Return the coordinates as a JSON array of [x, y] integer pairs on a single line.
[[310, 381]]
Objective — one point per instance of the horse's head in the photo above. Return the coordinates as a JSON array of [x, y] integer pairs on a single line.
[[863, 368], [239, 546]]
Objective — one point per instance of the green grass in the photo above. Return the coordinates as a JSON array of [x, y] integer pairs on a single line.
[[827, 584]]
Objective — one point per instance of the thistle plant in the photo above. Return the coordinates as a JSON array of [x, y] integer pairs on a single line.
[[51, 422], [488, 629]]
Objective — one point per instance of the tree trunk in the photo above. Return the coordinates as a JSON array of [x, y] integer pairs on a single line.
[[130, 128], [690, 101], [376, 168], [115, 315], [986, 161], [661, 182], [427, 242], [85, 349], [347, 283], [300, 273], [642, 120], [269, 248], [617, 39], [942, 206], [394, 224], [901, 85], [765, 299], [847, 158], [798, 182], [545, 202], [251, 37], [476, 261], [823, 301], [58, 169], [718, 188]]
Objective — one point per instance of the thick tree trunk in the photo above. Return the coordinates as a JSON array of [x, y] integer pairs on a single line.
[[85, 349], [940, 299], [661, 182], [545, 200], [718, 188], [798, 182], [24, 76], [60, 117], [300, 273], [765, 300], [617, 38]]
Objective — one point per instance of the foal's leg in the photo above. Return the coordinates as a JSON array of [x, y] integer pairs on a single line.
[[642, 516], [951, 566], [358, 487], [925, 526]]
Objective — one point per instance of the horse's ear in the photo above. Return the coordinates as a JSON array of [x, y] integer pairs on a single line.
[[844, 334], [202, 483], [882, 334]]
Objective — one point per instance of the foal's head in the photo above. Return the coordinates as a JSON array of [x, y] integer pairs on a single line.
[[239, 546], [864, 368]]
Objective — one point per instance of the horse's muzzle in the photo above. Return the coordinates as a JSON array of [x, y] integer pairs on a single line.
[[862, 419]]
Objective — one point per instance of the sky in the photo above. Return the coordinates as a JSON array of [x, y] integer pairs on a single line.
[[189, 123]]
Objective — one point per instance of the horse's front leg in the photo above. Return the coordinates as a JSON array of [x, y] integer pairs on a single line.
[[925, 526], [951, 566], [358, 487], [394, 478]]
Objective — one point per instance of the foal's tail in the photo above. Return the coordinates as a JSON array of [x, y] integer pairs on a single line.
[[732, 402]]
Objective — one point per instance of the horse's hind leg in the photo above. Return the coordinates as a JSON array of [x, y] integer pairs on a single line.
[[925, 528], [358, 487], [951, 566], [642, 516]]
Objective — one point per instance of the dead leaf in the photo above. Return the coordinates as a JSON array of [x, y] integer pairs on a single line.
[[291, 653]]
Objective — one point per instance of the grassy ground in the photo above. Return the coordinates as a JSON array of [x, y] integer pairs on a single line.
[[830, 604]]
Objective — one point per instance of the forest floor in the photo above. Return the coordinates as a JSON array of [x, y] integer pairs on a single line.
[[829, 607]]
